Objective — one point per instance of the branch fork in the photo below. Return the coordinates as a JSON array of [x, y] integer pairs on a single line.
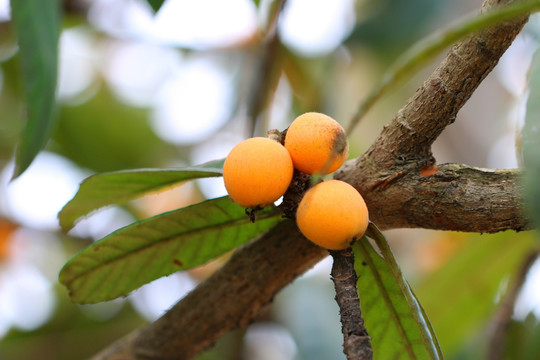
[[391, 177]]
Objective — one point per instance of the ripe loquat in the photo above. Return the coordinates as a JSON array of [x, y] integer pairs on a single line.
[[331, 214], [257, 172], [317, 143]]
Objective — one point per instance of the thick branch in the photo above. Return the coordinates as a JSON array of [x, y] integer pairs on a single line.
[[447, 197], [229, 299]]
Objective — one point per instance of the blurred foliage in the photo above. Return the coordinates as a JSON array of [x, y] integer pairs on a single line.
[[522, 342], [37, 24], [156, 4], [70, 334], [422, 52], [391, 26], [530, 137], [294, 307], [97, 133], [461, 297], [73, 331]]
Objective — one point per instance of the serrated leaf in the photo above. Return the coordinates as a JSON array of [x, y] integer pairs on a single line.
[[531, 141], [121, 186], [146, 250], [156, 4], [394, 319], [37, 24]]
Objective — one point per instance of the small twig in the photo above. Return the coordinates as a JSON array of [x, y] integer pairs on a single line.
[[276, 8], [504, 315], [356, 341], [268, 71]]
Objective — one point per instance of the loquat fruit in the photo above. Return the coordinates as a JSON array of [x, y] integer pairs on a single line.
[[331, 214], [317, 143], [257, 172]]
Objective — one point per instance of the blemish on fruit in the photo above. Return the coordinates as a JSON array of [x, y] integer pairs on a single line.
[[340, 141], [317, 143], [429, 170]]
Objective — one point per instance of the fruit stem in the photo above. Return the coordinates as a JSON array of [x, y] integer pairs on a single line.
[[276, 135]]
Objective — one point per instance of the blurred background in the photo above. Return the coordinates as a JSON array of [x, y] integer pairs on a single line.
[[182, 86]]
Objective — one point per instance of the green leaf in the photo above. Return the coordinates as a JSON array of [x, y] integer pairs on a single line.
[[156, 4], [37, 24], [472, 278], [121, 186], [394, 319], [531, 141], [159, 246], [407, 65]]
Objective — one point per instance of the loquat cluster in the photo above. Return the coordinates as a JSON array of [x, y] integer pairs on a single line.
[[258, 171]]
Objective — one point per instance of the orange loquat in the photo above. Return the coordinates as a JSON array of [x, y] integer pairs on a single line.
[[257, 172], [317, 143], [331, 214]]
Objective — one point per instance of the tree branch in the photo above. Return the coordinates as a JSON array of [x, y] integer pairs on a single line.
[[446, 197], [401, 185], [229, 299], [408, 138], [389, 174], [356, 341]]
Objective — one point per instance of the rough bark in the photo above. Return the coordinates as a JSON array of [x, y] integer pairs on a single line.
[[445, 197], [356, 341], [230, 299], [402, 185]]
